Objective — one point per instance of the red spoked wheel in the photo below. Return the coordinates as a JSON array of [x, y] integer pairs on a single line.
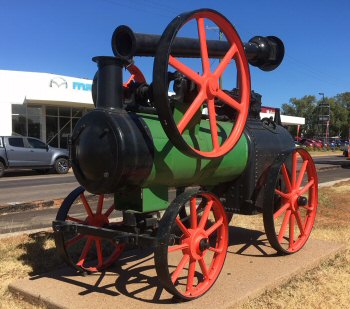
[[84, 252], [207, 84], [136, 76], [290, 208], [191, 250]]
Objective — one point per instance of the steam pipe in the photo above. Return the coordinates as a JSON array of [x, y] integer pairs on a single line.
[[265, 53], [110, 82]]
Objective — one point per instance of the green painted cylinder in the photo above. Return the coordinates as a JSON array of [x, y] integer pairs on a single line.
[[172, 168]]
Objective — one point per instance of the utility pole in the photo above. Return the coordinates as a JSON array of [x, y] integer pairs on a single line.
[[324, 118]]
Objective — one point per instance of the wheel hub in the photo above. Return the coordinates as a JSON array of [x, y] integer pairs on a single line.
[[97, 220], [204, 244], [302, 201], [212, 87], [198, 243]]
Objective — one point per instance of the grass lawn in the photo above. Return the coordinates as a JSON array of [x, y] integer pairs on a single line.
[[327, 286]]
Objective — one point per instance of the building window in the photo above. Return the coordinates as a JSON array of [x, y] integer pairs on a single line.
[[19, 119], [33, 121], [26, 120], [60, 122]]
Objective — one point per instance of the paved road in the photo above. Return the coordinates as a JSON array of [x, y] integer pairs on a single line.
[[33, 187]]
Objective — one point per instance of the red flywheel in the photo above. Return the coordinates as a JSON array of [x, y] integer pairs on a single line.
[[207, 84]]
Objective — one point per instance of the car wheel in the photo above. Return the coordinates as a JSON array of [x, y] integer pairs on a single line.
[[61, 166], [2, 169]]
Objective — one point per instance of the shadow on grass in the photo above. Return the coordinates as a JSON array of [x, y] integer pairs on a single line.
[[40, 253]]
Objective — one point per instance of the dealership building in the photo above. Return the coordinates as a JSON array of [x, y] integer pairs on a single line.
[[42, 105], [47, 106]]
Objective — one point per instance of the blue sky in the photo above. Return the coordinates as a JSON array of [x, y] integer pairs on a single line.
[[61, 37]]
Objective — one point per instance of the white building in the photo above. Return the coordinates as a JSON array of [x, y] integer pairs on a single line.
[[42, 105], [47, 106]]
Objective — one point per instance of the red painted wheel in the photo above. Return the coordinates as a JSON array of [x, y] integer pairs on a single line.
[[136, 76], [192, 249], [290, 214], [84, 252], [208, 85]]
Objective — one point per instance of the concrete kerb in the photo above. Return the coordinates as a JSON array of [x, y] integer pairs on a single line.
[[55, 203], [17, 207]]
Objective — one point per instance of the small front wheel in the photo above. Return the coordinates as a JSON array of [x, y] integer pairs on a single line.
[[61, 166], [85, 252]]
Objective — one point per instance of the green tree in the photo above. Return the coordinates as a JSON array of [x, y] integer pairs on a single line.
[[340, 122], [303, 107]]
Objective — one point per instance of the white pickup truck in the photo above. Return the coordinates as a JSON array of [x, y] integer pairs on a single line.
[[18, 152]]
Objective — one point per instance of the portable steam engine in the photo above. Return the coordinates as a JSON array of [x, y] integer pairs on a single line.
[[182, 133]]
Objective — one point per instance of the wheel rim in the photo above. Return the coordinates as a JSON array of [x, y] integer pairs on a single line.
[[193, 256], [207, 84], [84, 252], [62, 166], [295, 199]]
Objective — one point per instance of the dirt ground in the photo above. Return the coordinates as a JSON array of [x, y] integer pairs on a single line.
[[327, 286]]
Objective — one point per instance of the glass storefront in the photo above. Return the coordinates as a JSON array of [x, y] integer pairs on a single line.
[[52, 124], [60, 122], [26, 120]]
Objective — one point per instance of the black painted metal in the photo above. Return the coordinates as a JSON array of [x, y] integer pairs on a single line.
[[112, 150], [265, 53], [110, 82], [266, 143], [64, 226]]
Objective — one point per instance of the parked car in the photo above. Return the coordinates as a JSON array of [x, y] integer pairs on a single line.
[[307, 142], [299, 145], [18, 152], [318, 143]]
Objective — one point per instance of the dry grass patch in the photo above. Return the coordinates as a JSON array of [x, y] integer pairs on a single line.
[[327, 286], [21, 256]]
